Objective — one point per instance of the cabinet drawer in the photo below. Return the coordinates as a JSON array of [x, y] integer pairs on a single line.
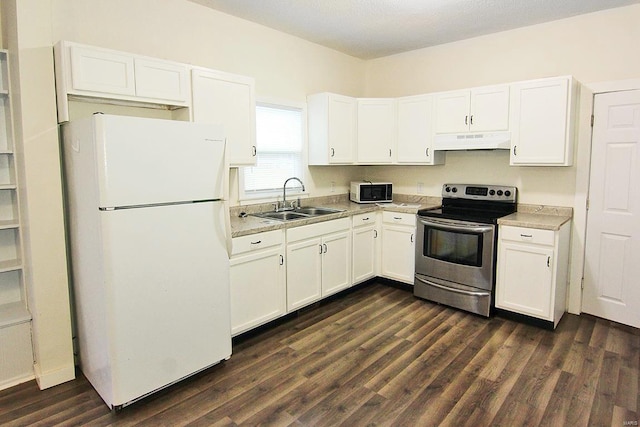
[[257, 241], [399, 218], [364, 219], [529, 235], [320, 229]]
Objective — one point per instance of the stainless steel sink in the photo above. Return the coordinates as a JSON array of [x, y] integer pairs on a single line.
[[281, 216], [317, 211], [300, 213]]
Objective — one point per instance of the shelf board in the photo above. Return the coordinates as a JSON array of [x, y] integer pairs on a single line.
[[4, 92], [13, 313], [6, 152], [9, 223], [10, 265], [7, 187]]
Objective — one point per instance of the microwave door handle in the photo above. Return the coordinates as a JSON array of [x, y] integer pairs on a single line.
[[473, 228]]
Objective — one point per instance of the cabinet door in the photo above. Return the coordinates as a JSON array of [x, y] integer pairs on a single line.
[[101, 71], [376, 130], [452, 111], [398, 253], [161, 80], [258, 289], [229, 100], [341, 132], [364, 253], [304, 273], [524, 279], [336, 265], [540, 133], [489, 109], [415, 131]]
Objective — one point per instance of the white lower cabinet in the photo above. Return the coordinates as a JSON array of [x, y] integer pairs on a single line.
[[318, 264], [258, 286], [366, 248], [532, 271], [398, 246]]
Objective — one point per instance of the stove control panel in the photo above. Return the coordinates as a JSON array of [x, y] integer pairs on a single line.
[[497, 193]]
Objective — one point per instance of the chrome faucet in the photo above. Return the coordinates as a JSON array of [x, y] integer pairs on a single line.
[[284, 191]]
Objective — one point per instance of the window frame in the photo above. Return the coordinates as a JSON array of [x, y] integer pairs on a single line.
[[276, 195]]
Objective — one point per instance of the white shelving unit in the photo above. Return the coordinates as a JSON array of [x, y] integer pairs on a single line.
[[16, 356]]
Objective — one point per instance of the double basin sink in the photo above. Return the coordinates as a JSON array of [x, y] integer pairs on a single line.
[[299, 213]]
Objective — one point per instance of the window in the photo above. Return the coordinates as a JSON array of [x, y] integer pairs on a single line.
[[279, 152]]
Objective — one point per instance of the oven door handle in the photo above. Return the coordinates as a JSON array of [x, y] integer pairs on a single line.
[[456, 290], [460, 226]]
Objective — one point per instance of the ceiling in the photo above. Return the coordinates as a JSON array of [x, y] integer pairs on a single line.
[[374, 28]]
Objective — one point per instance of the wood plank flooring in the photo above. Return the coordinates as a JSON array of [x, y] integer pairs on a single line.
[[379, 356]]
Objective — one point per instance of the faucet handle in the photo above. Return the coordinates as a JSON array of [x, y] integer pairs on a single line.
[[275, 206]]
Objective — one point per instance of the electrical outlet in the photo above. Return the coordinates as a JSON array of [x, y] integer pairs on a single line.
[[333, 186], [420, 188]]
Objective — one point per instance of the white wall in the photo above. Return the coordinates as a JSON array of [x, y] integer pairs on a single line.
[[285, 67], [600, 46]]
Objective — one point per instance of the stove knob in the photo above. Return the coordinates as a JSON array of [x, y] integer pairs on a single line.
[[499, 192], [447, 189], [492, 192], [454, 189], [507, 193]]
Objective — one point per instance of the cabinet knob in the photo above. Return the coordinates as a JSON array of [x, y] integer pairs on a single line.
[[426, 152], [548, 261], [281, 260], [375, 234], [466, 120], [471, 119], [333, 152], [514, 150], [411, 237], [253, 150]]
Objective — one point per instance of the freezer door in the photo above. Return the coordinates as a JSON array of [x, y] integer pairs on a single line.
[[147, 161], [167, 280]]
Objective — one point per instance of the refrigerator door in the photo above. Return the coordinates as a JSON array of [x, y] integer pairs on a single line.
[[149, 161], [167, 290]]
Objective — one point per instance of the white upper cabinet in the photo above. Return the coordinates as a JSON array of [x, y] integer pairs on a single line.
[[415, 131], [88, 71], [376, 130], [542, 122], [482, 109], [161, 80], [228, 99], [331, 128]]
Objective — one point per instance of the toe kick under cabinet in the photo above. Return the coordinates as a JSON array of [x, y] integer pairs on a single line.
[[532, 272]]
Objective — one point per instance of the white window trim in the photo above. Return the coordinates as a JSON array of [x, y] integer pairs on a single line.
[[277, 195]]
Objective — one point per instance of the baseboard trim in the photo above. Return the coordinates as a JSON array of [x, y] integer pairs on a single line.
[[53, 378]]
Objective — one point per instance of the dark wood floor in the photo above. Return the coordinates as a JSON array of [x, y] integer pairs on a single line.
[[378, 356]]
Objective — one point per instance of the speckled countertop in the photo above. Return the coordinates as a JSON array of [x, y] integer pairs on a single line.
[[538, 216], [252, 224]]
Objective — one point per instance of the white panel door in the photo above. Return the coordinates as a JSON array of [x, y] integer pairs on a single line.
[[304, 273], [612, 269], [489, 109], [167, 279], [228, 100], [342, 119], [376, 130], [336, 262], [102, 71], [452, 112], [147, 161], [161, 80]]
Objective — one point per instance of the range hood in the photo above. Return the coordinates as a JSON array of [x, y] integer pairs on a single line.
[[473, 141]]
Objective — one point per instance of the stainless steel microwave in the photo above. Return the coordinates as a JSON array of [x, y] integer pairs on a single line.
[[371, 192]]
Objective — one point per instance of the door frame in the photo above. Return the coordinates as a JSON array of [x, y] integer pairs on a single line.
[[583, 171]]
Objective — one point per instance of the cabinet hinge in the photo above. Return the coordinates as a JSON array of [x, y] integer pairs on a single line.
[[587, 204], [582, 283], [592, 119]]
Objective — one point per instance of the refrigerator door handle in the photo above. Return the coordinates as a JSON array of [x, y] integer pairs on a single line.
[[225, 195]]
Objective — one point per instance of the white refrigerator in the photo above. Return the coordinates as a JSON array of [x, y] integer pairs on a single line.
[[148, 227]]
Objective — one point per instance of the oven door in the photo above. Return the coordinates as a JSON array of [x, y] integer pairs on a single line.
[[456, 251]]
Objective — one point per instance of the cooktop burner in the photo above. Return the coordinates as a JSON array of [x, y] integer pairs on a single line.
[[479, 203]]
